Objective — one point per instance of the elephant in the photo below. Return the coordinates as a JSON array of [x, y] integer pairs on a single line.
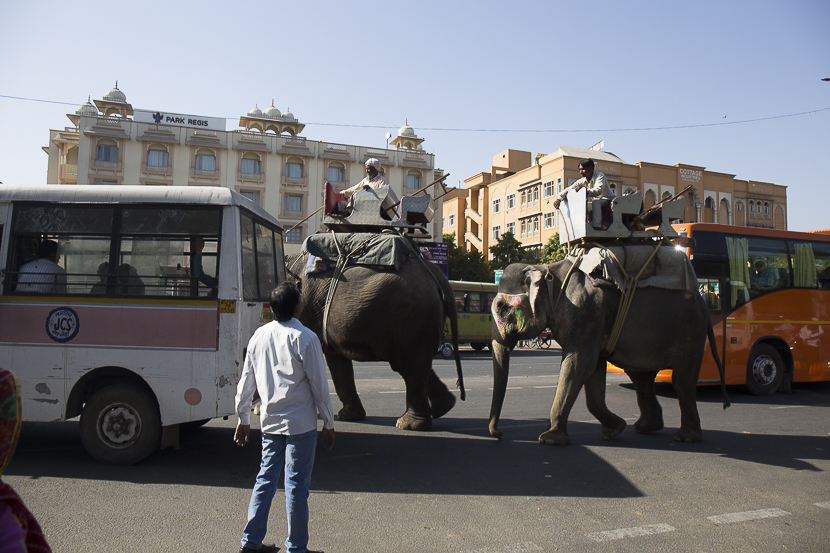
[[664, 329], [376, 314]]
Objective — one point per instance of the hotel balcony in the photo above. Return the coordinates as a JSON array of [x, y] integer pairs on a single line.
[[68, 174], [294, 181], [203, 174], [155, 169], [474, 216], [107, 165], [250, 177], [477, 242]]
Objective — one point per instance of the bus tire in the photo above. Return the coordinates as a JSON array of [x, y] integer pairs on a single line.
[[120, 425], [477, 346], [764, 370], [446, 350]]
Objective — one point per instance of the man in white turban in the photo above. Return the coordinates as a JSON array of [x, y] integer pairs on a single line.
[[375, 180]]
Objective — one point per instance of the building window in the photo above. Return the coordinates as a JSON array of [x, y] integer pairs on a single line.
[[496, 232], [740, 206], [535, 195], [524, 229], [559, 184], [524, 199], [413, 180], [157, 156], [550, 189], [613, 187], [536, 226], [292, 205], [709, 203], [205, 160], [106, 182], [751, 208], [766, 209], [107, 151], [511, 228], [497, 205], [452, 220], [548, 222], [250, 164], [252, 195], [336, 172], [294, 236], [294, 169]]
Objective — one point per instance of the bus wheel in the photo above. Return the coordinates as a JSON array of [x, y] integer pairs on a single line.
[[120, 425], [446, 351], [764, 371], [477, 346]]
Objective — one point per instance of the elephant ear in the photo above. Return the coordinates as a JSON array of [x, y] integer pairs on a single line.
[[537, 292]]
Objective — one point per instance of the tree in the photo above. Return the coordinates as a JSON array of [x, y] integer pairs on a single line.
[[552, 251], [509, 250], [464, 265]]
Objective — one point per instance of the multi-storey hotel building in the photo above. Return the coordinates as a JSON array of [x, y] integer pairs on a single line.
[[517, 195], [266, 159]]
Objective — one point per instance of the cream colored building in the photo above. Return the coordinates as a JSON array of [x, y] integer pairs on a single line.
[[266, 159], [517, 195]]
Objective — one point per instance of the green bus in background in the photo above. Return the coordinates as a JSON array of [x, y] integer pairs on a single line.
[[472, 301]]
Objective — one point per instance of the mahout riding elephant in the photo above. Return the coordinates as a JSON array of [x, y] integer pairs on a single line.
[[664, 329], [376, 314]]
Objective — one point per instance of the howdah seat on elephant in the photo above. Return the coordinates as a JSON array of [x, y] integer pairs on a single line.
[[364, 212]]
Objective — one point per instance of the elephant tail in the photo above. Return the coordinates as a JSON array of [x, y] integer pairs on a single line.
[[713, 346], [449, 301]]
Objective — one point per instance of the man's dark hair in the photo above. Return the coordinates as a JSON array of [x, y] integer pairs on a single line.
[[46, 249], [587, 163], [284, 301]]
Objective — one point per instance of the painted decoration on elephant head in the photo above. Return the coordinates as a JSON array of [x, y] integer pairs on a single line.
[[514, 300]]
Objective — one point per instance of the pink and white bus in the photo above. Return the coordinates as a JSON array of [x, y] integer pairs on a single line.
[[143, 324]]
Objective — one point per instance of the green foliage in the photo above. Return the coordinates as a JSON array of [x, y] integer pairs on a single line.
[[552, 251], [464, 265], [509, 250]]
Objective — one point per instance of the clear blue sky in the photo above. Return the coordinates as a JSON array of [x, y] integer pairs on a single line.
[[596, 67]]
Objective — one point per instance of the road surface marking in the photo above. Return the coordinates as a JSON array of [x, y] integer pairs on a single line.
[[512, 548], [826, 504], [788, 407], [747, 515], [537, 387], [394, 392], [648, 530], [509, 388]]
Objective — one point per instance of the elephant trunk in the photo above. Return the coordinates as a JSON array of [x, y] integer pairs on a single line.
[[501, 370]]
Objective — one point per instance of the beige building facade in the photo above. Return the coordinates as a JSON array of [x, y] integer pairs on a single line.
[[517, 195], [266, 159]]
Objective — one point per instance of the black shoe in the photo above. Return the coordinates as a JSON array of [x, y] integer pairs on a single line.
[[264, 548]]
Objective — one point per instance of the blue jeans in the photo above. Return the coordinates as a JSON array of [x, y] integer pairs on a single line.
[[296, 454]]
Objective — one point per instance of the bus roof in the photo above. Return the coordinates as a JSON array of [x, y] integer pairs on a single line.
[[751, 231], [466, 285], [128, 194]]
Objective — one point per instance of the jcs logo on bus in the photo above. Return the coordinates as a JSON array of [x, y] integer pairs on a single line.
[[62, 324]]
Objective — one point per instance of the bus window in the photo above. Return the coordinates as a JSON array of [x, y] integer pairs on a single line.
[[262, 266], [710, 291], [249, 275], [475, 302], [810, 261], [460, 301], [756, 266], [821, 252], [266, 262]]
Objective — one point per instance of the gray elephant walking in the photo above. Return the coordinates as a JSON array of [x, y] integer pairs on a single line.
[[377, 314], [665, 329]]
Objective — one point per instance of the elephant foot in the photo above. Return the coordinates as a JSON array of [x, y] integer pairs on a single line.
[[611, 431], [688, 435], [411, 421], [352, 413], [442, 405], [555, 437], [646, 425]]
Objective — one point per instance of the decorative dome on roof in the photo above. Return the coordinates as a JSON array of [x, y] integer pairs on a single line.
[[272, 112], [406, 130], [87, 109], [288, 115], [255, 112], [115, 95]]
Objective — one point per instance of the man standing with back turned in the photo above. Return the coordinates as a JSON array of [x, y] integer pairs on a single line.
[[285, 364]]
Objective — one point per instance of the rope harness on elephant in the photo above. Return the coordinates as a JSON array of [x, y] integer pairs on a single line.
[[342, 260]]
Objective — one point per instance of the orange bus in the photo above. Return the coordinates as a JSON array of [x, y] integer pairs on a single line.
[[772, 287]]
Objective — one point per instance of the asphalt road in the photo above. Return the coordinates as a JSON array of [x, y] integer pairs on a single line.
[[757, 482]]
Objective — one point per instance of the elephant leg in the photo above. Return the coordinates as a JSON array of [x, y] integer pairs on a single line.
[[571, 377], [612, 425], [418, 415], [651, 414], [342, 374], [684, 380], [441, 400]]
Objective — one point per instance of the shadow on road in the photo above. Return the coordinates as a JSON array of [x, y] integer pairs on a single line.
[[813, 394]]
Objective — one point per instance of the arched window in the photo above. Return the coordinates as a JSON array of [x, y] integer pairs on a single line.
[[157, 155], [751, 208], [739, 206], [294, 168], [205, 160], [413, 179], [613, 187], [766, 208], [107, 150], [709, 203], [336, 172], [250, 163]]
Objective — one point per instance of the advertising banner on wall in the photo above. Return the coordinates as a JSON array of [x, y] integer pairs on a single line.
[[179, 119], [438, 253]]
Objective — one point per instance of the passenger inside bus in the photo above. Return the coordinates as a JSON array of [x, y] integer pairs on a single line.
[[197, 245], [43, 275], [100, 287], [763, 280], [128, 283]]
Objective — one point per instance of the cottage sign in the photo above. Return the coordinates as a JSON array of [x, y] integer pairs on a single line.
[[691, 175]]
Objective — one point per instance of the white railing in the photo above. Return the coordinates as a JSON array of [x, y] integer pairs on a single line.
[[294, 180], [161, 128], [375, 151], [156, 169], [204, 173], [106, 164], [251, 136], [338, 147], [296, 141], [110, 121], [72, 170], [292, 213], [204, 133]]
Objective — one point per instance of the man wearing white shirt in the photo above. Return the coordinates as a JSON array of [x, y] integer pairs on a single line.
[[375, 180], [43, 275], [598, 192], [284, 363]]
